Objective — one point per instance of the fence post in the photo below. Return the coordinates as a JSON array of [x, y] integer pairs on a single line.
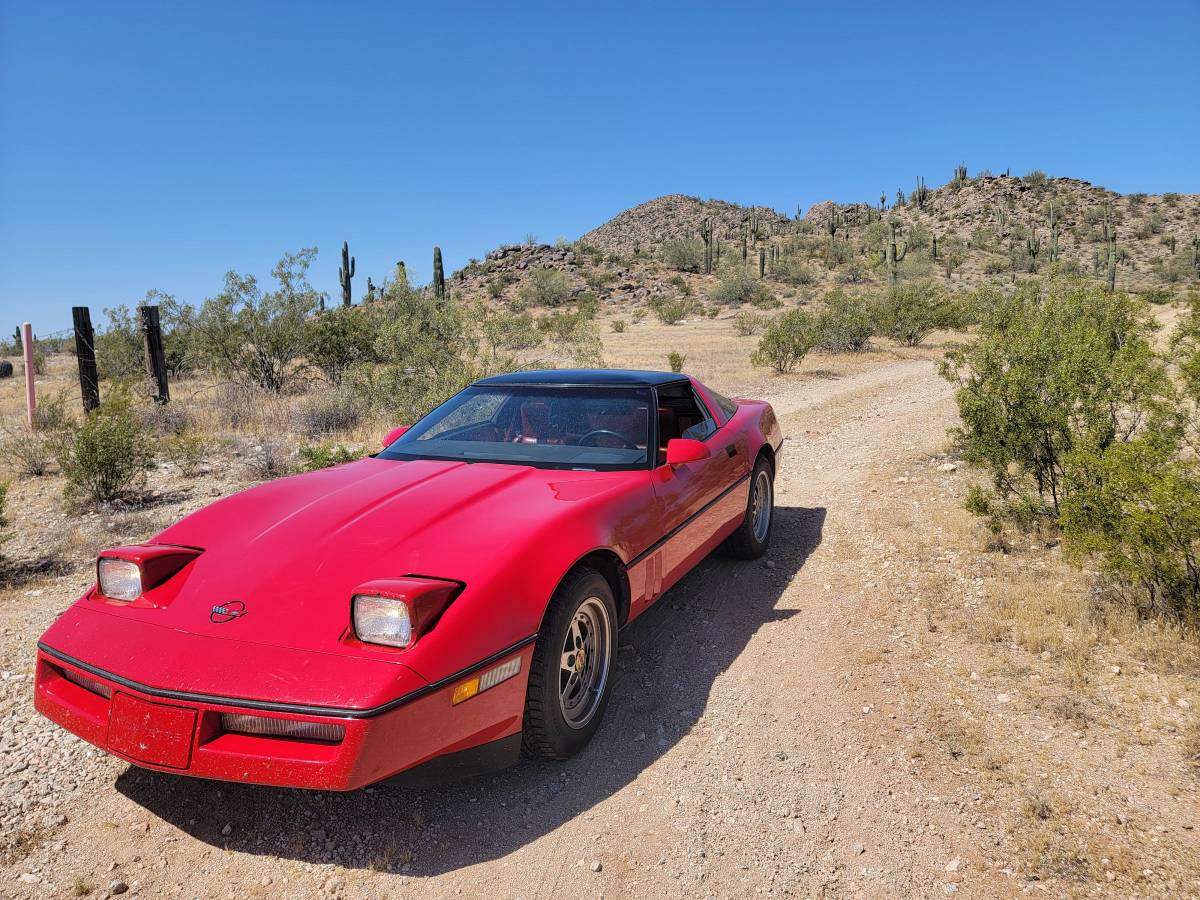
[[85, 352], [156, 360], [30, 391]]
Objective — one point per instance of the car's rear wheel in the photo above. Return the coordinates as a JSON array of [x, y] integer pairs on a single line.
[[569, 678], [754, 533]]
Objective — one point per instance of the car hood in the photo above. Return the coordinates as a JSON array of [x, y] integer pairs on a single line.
[[293, 550]]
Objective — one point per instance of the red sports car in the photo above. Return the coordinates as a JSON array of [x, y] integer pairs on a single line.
[[448, 601]]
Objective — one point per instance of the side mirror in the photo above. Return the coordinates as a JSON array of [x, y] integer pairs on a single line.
[[393, 436], [686, 450]]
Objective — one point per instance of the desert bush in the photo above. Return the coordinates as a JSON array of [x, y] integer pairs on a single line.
[[619, 326], [336, 340], [671, 310], [1135, 506], [27, 452], [738, 284], [748, 323], [855, 271], [326, 412], [107, 457], [953, 254], [792, 270], [996, 265], [267, 458], [496, 286], [675, 360], [545, 287], [260, 338], [785, 342], [911, 310], [1076, 419], [836, 252], [429, 352], [844, 325], [505, 334], [120, 347], [188, 450], [164, 419], [51, 413], [684, 255], [322, 456]]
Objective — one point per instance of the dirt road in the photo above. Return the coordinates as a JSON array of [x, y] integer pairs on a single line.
[[752, 746]]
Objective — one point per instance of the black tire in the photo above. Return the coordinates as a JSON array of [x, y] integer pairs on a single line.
[[553, 727], [751, 540]]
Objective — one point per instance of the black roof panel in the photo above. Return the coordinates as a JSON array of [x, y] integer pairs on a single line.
[[606, 377]]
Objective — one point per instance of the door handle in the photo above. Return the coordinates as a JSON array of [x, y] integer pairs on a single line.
[[731, 450]]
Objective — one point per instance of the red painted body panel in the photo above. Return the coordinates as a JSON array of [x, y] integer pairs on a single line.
[[293, 551]]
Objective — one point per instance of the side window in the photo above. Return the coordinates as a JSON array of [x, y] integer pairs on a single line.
[[728, 407], [681, 415]]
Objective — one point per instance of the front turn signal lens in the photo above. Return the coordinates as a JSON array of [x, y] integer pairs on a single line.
[[489, 679], [465, 691]]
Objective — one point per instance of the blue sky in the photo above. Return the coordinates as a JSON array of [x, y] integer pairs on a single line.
[[156, 145]]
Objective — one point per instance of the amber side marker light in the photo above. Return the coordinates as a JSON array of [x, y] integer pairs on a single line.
[[489, 679]]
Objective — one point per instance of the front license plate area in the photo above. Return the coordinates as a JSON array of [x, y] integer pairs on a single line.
[[152, 733]]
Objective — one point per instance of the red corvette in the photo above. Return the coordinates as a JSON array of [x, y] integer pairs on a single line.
[[450, 600]]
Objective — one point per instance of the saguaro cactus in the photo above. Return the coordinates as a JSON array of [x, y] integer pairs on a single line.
[[1033, 246], [762, 261], [921, 194], [1110, 242], [1052, 250], [891, 257], [439, 277], [706, 234], [345, 273], [960, 175]]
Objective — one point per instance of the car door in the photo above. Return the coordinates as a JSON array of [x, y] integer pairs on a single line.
[[696, 500]]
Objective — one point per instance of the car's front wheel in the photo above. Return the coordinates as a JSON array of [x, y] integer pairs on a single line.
[[570, 675]]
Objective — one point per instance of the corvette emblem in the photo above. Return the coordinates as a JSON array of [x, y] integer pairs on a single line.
[[227, 612]]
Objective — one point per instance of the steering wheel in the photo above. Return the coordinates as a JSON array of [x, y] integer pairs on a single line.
[[604, 432]]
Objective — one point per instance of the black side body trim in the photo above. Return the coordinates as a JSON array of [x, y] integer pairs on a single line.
[[686, 522], [302, 709]]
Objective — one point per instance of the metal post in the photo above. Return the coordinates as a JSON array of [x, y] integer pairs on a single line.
[[85, 352]]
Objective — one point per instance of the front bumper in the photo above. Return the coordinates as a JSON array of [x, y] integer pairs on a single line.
[[186, 736]]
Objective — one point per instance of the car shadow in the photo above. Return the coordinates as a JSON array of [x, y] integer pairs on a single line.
[[666, 667]]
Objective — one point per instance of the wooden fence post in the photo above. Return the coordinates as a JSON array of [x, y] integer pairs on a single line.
[[30, 391], [156, 360], [85, 352]]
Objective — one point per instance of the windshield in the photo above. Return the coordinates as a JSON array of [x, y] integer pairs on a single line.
[[601, 428]]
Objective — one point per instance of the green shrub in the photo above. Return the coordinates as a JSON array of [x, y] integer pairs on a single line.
[[855, 271], [738, 284], [911, 310], [675, 360], [748, 323], [187, 450], [1135, 506], [680, 284], [260, 338], [545, 287], [108, 455], [786, 341], [322, 456], [792, 270], [1054, 374], [619, 326], [120, 347], [336, 340], [684, 255], [844, 325], [996, 265], [672, 310]]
